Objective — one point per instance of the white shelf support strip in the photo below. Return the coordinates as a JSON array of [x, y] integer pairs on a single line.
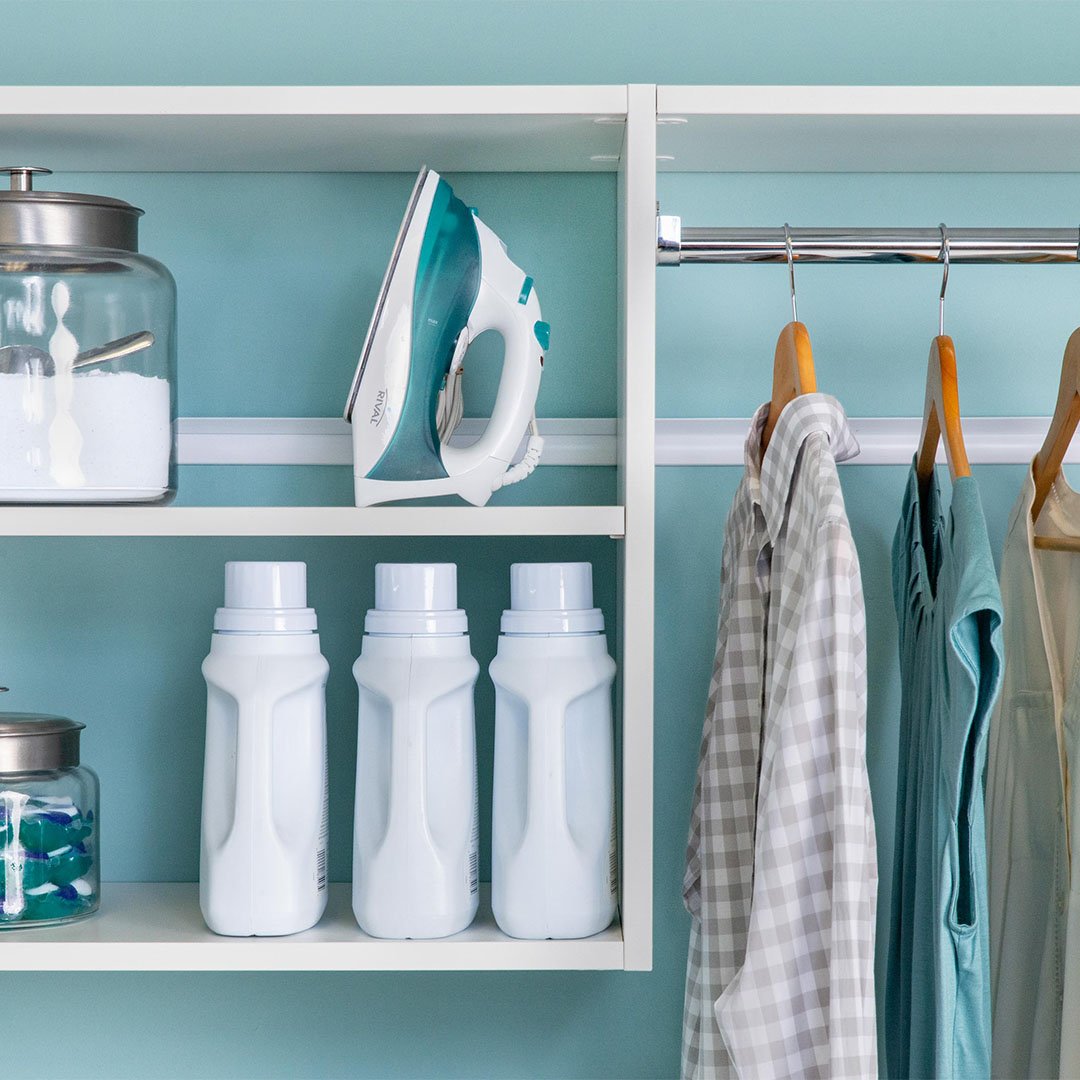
[[290, 440], [884, 440], [887, 440]]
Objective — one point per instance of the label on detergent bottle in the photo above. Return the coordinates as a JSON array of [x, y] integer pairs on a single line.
[[324, 834], [613, 855], [472, 859]]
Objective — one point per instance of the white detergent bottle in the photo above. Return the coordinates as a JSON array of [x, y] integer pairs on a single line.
[[415, 840], [553, 863], [265, 811]]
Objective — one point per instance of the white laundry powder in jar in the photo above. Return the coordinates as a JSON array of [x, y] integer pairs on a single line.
[[125, 424]]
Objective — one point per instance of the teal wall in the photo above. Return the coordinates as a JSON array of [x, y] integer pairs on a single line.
[[269, 325], [542, 41]]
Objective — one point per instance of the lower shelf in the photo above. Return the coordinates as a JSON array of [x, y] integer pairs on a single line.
[[157, 927]]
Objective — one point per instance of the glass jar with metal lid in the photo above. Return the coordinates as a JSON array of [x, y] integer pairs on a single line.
[[48, 823], [87, 351]]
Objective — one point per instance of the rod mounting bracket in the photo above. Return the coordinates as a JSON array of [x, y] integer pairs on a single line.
[[668, 239]]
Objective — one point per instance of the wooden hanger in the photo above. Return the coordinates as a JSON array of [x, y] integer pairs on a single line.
[[1047, 463], [941, 411], [793, 361], [941, 414], [793, 374]]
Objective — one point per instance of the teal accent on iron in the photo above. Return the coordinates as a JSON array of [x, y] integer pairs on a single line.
[[447, 284], [542, 330], [526, 289]]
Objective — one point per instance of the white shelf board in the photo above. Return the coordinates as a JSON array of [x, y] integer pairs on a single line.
[[157, 927], [312, 521], [869, 128], [313, 128]]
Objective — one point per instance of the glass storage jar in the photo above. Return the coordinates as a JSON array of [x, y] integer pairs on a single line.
[[87, 352], [48, 823]]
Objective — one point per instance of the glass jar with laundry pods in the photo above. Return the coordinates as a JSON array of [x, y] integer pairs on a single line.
[[87, 352], [48, 823]]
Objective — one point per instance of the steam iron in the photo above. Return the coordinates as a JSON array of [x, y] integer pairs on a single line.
[[449, 280]]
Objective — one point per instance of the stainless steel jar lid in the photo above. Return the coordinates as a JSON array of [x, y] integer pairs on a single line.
[[35, 742], [31, 218]]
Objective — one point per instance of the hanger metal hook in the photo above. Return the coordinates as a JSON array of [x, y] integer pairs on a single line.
[[791, 270], [944, 256]]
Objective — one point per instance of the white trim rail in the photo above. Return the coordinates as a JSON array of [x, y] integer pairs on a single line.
[[883, 440], [290, 440], [887, 440]]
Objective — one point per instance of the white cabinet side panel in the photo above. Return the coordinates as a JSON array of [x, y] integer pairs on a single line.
[[637, 408]]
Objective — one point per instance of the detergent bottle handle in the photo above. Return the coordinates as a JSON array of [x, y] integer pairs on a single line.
[[507, 303], [253, 810], [546, 809]]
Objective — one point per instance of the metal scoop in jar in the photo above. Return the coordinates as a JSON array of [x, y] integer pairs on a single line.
[[29, 359]]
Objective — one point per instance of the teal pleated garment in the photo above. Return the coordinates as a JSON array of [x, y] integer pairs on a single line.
[[948, 605]]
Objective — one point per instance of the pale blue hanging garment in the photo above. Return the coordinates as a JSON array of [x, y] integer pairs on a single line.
[[937, 994]]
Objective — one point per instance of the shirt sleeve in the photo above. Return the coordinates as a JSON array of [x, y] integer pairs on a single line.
[[802, 1003], [692, 872]]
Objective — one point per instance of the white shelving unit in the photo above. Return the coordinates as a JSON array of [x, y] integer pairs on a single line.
[[378, 129], [631, 130]]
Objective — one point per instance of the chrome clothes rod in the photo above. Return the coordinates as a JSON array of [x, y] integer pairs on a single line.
[[677, 244]]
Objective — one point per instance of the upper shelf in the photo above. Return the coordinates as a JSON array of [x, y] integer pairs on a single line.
[[540, 128], [869, 128], [314, 128]]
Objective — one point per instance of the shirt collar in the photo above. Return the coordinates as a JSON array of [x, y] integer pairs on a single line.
[[752, 453], [770, 476]]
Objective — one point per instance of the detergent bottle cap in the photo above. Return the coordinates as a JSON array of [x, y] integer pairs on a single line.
[[552, 598], [265, 598], [415, 598]]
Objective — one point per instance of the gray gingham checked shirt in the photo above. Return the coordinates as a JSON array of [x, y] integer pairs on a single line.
[[781, 868]]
